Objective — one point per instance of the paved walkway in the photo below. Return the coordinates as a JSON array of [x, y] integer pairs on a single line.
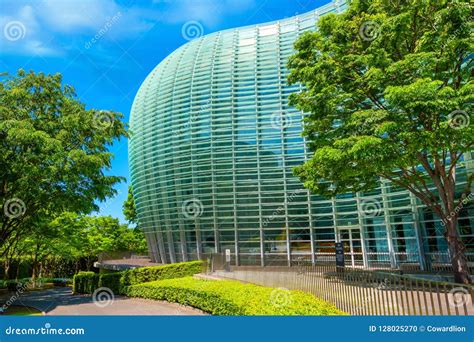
[[61, 301]]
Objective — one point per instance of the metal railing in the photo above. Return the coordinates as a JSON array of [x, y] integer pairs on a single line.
[[435, 263], [358, 291]]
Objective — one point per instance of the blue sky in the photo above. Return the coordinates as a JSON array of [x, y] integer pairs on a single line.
[[106, 48]]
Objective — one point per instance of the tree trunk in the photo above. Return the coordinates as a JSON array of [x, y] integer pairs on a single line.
[[34, 273], [34, 265], [458, 253], [6, 265]]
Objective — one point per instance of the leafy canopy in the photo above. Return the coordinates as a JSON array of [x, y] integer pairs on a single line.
[[53, 151], [389, 93], [72, 236], [86, 236], [129, 210]]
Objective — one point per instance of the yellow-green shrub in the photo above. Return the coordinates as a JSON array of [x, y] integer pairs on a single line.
[[111, 281], [85, 282], [88, 282], [228, 297], [152, 273]]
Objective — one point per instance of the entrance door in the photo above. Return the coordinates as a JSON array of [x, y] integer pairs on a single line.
[[352, 246]]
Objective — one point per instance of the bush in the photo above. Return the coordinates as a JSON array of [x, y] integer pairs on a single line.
[[61, 281], [85, 282], [111, 280], [88, 282], [12, 285], [52, 266], [152, 273], [15, 285], [55, 281], [229, 297]]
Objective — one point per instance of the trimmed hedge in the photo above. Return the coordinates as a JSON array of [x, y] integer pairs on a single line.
[[170, 271], [111, 280], [230, 297], [13, 285], [88, 282], [85, 282]]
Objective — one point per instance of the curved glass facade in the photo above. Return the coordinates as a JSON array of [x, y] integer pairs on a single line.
[[212, 150]]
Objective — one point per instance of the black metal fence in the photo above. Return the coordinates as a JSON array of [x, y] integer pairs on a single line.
[[436, 263], [359, 291]]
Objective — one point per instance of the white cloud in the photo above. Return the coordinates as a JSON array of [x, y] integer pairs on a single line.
[[32, 29], [45, 22], [21, 34], [39, 48], [90, 16], [207, 12], [76, 15], [25, 16]]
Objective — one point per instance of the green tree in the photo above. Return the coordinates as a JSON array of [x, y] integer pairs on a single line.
[[89, 236], [53, 151], [135, 236], [70, 237], [388, 92], [128, 207], [132, 239]]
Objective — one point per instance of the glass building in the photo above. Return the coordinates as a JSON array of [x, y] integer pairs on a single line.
[[212, 150]]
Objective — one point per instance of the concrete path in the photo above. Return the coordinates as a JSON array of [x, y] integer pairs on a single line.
[[61, 301]]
